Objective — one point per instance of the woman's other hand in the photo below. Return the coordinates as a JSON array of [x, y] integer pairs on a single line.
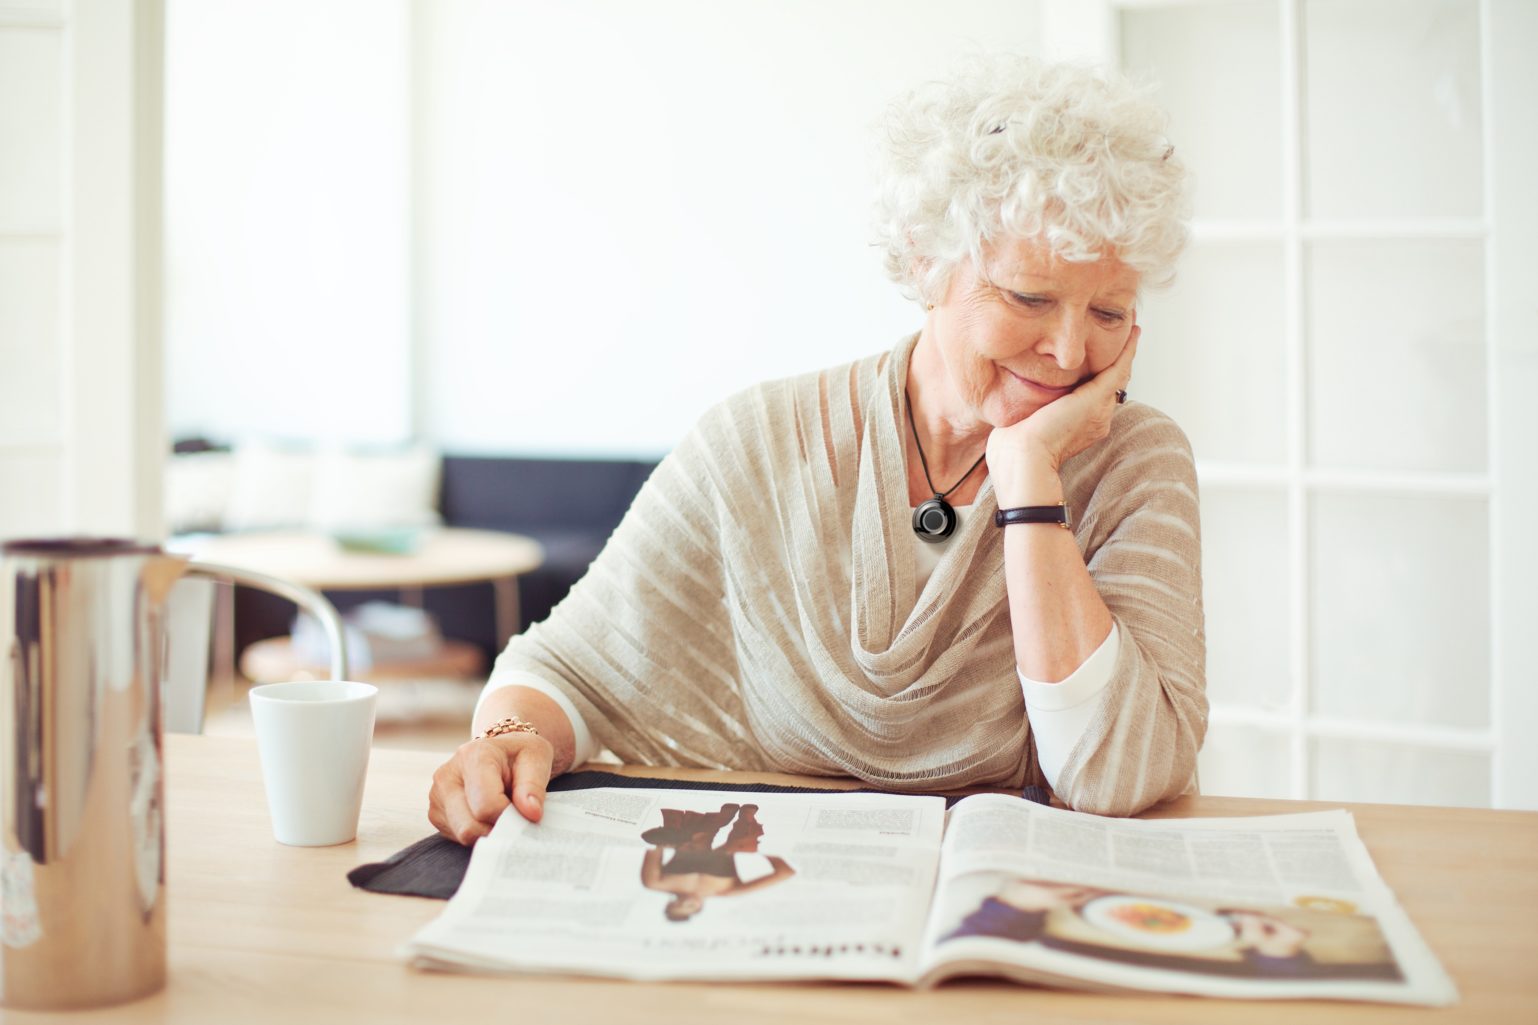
[[473, 788], [1020, 456]]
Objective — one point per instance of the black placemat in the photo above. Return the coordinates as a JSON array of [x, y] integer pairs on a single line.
[[434, 866]]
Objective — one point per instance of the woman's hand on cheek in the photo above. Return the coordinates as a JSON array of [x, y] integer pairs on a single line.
[[1020, 456]]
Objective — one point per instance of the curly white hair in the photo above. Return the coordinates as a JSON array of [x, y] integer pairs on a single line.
[[1013, 146]]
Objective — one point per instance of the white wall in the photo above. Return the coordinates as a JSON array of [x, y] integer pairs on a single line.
[[632, 210], [622, 212], [288, 275]]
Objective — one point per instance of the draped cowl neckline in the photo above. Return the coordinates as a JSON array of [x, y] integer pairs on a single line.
[[896, 624]]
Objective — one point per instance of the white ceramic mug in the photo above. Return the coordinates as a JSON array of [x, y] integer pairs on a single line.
[[314, 738]]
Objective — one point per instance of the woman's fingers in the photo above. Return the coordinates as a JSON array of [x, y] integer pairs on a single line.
[[1101, 389], [514, 768], [1119, 373], [531, 775], [472, 790], [487, 772], [448, 809]]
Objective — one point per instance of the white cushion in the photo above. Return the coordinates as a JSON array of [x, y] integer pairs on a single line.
[[198, 489], [353, 490], [272, 488]]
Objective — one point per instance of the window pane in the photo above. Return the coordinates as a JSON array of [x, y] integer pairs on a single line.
[[1211, 354], [1392, 113], [289, 302], [1360, 770], [1245, 761], [1230, 136], [1396, 355], [1401, 609], [1244, 593]]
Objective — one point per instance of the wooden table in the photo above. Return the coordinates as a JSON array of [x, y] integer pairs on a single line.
[[265, 933]]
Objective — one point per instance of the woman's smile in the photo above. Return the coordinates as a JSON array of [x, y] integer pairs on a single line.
[[1045, 392]]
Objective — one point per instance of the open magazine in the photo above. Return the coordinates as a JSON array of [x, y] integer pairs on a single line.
[[687, 884]]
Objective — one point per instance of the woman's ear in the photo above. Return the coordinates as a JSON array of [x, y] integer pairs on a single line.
[[918, 272], [930, 282]]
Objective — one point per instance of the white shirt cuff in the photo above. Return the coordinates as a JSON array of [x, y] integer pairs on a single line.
[[1061, 712], [584, 747]]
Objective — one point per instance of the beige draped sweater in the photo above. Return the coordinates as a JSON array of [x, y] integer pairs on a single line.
[[758, 607]]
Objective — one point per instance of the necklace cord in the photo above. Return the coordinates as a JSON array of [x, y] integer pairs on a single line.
[[908, 406]]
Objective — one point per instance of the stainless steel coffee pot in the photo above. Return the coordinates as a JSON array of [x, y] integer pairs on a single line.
[[82, 844]]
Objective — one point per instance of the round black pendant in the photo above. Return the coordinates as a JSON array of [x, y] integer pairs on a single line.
[[934, 521]]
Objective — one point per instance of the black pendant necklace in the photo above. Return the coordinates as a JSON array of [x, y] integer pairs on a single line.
[[934, 520]]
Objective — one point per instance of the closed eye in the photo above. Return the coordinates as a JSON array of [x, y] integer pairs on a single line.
[[1030, 302]]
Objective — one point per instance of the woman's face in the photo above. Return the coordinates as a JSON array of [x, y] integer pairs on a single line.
[[1028, 326]]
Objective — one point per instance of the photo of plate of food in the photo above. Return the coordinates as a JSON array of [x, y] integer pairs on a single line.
[[1157, 923]]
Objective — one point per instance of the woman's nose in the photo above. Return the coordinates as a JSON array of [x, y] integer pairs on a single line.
[[1066, 339]]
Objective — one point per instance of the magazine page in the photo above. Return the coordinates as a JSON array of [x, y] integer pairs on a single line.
[[1269, 906], [690, 884]]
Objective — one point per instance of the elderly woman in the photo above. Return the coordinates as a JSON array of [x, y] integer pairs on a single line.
[[963, 561]]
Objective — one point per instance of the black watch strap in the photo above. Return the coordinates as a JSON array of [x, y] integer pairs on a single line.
[[1032, 514]]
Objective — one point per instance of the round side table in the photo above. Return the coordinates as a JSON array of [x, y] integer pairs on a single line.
[[446, 555]]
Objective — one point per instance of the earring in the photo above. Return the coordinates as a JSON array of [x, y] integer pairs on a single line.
[[930, 307]]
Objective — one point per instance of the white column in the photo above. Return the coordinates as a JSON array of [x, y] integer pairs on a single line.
[[32, 119], [114, 439]]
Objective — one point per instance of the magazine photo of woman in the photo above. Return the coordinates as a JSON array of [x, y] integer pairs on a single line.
[[697, 867]]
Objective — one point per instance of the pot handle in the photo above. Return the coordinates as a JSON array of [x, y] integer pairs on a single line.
[[308, 599]]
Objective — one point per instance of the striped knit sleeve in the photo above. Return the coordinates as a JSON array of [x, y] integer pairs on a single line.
[[640, 645], [1139, 529]]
